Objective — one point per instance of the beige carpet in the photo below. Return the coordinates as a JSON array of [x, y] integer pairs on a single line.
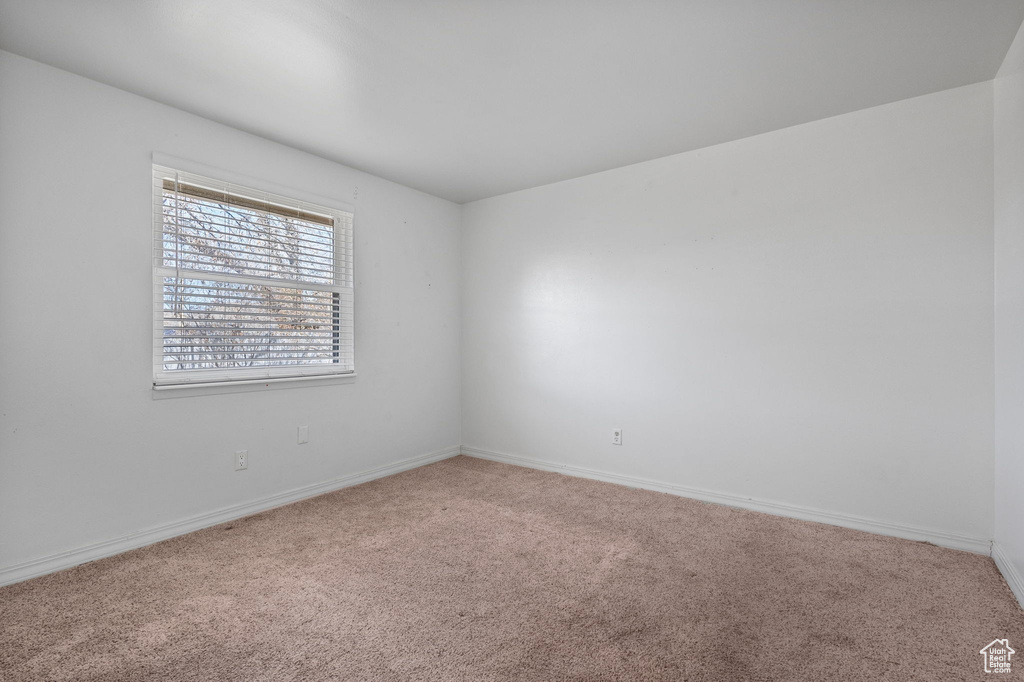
[[470, 570]]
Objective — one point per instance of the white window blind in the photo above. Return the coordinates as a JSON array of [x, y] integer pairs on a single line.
[[248, 285]]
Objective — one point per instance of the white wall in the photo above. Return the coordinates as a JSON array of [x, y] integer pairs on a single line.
[[1009, 240], [803, 317], [87, 454]]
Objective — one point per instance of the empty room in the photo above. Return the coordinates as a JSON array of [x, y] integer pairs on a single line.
[[529, 340]]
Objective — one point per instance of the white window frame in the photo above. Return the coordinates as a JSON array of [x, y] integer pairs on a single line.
[[165, 168]]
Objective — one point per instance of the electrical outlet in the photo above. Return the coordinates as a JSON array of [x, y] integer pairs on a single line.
[[241, 460], [303, 434], [617, 437]]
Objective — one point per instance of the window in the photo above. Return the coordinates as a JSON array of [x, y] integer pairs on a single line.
[[247, 285]]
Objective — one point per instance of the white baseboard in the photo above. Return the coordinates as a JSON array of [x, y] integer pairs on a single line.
[[953, 541], [81, 555], [1009, 571]]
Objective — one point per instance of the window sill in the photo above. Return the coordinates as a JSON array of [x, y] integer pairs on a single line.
[[247, 385]]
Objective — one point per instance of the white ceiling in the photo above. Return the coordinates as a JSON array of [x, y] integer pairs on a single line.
[[467, 99]]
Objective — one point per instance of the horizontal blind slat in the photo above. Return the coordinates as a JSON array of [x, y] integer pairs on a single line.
[[181, 213], [200, 337], [277, 283], [241, 347], [243, 201], [175, 225]]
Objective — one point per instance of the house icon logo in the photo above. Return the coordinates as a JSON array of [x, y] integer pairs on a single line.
[[997, 656]]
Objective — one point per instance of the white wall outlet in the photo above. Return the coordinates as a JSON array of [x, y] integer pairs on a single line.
[[241, 460], [303, 434], [617, 437]]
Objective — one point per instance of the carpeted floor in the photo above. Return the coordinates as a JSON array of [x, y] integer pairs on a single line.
[[471, 570]]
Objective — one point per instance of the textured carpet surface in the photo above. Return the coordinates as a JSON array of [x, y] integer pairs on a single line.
[[471, 570]]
